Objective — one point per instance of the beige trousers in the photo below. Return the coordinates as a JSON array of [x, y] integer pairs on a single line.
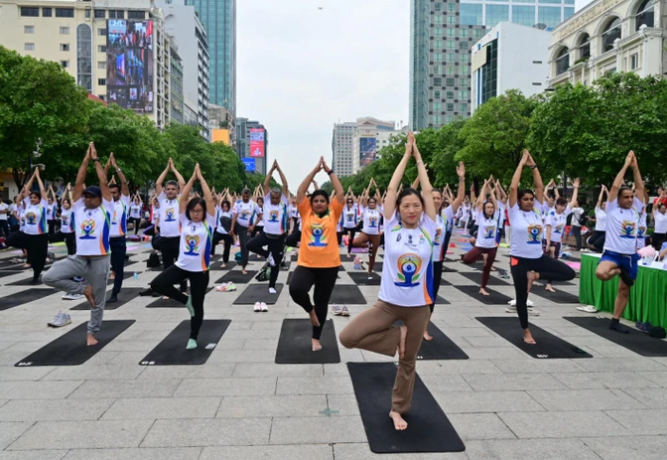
[[373, 330]]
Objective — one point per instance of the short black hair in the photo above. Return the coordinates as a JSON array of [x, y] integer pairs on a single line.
[[194, 202], [407, 192], [319, 193], [114, 186], [171, 182], [561, 202]]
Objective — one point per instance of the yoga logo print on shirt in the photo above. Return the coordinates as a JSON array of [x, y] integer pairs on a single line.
[[170, 215], [628, 229], [490, 231], [534, 234], [559, 228], [273, 216], [372, 222], [192, 245], [88, 228], [318, 238], [408, 270], [641, 231], [31, 218], [436, 240]]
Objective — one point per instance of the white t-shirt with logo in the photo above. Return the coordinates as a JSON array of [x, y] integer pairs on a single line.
[[600, 220], [35, 217], [557, 223], [350, 216], [407, 279], [641, 230], [51, 211], [527, 232], [220, 215], [293, 211], [275, 217], [660, 222], [486, 230], [195, 245], [447, 215], [576, 214], [119, 216], [622, 227], [246, 213], [66, 221], [4, 207], [439, 239], [371, 221], [168, 218], [93, 228], [135, 211]]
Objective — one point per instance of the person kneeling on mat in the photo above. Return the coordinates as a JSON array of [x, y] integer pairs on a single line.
[[406, 287], [92, 223], [197, 220]]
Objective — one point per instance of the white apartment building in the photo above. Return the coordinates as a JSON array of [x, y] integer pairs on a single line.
[[341, 146], [509, 56], [370, 135], [74, 33], [609, 36]]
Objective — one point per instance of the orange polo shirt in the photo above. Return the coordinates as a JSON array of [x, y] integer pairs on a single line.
[[319, 241]]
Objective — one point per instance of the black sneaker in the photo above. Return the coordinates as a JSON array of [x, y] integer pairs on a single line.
[[146, 292], [625, 276], [112, 299]]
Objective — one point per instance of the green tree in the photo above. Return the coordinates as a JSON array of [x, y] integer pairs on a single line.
[[443, 163]]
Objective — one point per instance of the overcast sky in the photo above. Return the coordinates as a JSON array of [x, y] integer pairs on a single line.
[[301, 69]]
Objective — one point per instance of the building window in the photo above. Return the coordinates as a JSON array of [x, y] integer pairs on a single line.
[[464, 95], [87, 14], [549, 15], [29, 29], [64, 47], [451, 32], [472, 14], [451, 81], [451, 7], [136, 14], [438, 7], [64, 12], [437, 57], [568, 12], [101, 32], [464, 46], [490, 72], [101, 81], [437, 81], [437, 106], [451, 20], [496, 14], [584, 47], [537, 84], [478, 33], [450, 107], [102, 49], [524, 15], [30, 47], [464, 58], [100, 14], [450, 69], [563, 61], [610, 34], [449, 118], [451, 57], [463, 108], [64, 31], [117, 14], [437, 19], [645, 14], [65, 64], [634, 61], [47, 12], [29, 12], [437, 94], [450, 94], [463, 33], [451, 45], [102, 65]]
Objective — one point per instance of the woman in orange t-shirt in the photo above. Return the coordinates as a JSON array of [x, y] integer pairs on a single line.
[[319, 256]]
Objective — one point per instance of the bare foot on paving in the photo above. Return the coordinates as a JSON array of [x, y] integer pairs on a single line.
[[112, 276], [528, 337], [317, 346], [532, 277], [165, 297], [223, 265], [313, 318], [243, 271], [89, 295], [349, 256], [550, 288], [399, 423], [91, 340], [401, 342], [483, 291], [427, 336]]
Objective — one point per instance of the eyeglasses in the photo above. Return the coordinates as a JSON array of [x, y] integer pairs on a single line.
[[196, 211]]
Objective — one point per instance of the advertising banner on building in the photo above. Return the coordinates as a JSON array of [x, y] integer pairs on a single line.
[[257, 143], [249, 164], [367, 150], [130, 64]]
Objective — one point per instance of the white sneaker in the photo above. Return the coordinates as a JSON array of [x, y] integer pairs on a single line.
[[271, 261], [529, 303], [531, 311], [257, 307], [70, 296], [61, 319], [264, 307], [337, 310], [272, 291]]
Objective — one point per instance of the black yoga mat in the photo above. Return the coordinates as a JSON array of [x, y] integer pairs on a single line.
[[4, 273], [559, 296], [26, 282], [169, 303], [548, 345], [71, 349], [171, 351], [295, 347], [636, 341], [126, 275], [442, 301], [258, 293], [216, 266], [441, 347], [361, 279], [429, 429], [237, 277], [347, 294], [496, 298], [476, 277], [19, 298], [126, 295]]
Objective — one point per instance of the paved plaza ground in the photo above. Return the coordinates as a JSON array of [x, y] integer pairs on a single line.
[[503, 403]]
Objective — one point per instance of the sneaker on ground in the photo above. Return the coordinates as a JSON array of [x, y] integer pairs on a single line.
[[531, 311], [61, 319], [71, 296], [272, 291], [337, 310], [271, 260], [264, 307], [345, 311], [529, 303], [257, 307], [227, 287]]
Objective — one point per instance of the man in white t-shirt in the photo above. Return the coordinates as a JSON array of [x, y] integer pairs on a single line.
[[119, 217], [620, 256], [4, 214], [578, 219], [92, 210]]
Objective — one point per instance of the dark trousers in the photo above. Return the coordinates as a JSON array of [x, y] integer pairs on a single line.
[[295, 224], [437, 279], [242, 232], [70, 242], [657, 239], [597, 240], [4, 228], [351, 232], [476, 254], [324, 280], [118, 247], [576, 232], [137, 223], [164, 284], [229, 242], [548, 268], [53, 225], [448, 237], [169, 247], [37, 247], [276, 248], [293, 239]]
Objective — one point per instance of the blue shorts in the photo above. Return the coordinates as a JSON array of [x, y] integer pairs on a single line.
[[629, 263]]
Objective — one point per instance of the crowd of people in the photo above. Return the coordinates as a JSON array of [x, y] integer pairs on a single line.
[[413, 225]]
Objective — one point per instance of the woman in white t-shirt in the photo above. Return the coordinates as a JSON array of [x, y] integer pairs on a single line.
[[36, 228], [555, 227], [406, 285], [369, 237], [486, 212], [67, 222], [660, 222], [527, 260], [597, 240], [197, 220], [224, 217], [135, 213]]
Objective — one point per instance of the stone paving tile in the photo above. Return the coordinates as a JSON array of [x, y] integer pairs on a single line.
[[563, 400], [272, 406], [38, 390], [295, 452], [513, 382], [209, 371], [317, 430], [446, 382], [659, 378], [38, 410], [562, 424], [283, 370], [495, 353], [344, 405], [612, 380], [170, 453], [10, 431], [530, 449], [83, 435], [629, 447], [641, 422], [127, 388], [635, 364], [480, 426], [653, 398], [25, 373], [535, 366], [457, 367], [34, 455], [487, 401], [227, 387], [162, 408], [208, 432], [314, 385], [361, 451], [87, 372]]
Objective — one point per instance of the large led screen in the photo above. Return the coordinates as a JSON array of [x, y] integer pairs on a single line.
[[257, 143], [130, 64], [367, 150]]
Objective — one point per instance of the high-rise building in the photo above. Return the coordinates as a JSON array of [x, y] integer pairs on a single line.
[[222, 124], [442, 35], [219, 19], [182, 23], [176, 76], [252, 142], [116, 50], [509, 56], [341, 147], [369, 137]]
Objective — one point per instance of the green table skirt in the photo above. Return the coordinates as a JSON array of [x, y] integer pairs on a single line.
[[648, 297]]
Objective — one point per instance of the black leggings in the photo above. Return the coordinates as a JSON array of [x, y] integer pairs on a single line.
[[242, 232], [437, 279], [70, 242], [351, 232], [658, 239], [164, 284], [276, 248], [137, 224], [448, 237], [229, 242], [548, 268], [597, 240], [324, 280], [38, 247], [169, 247], [293, 239]]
